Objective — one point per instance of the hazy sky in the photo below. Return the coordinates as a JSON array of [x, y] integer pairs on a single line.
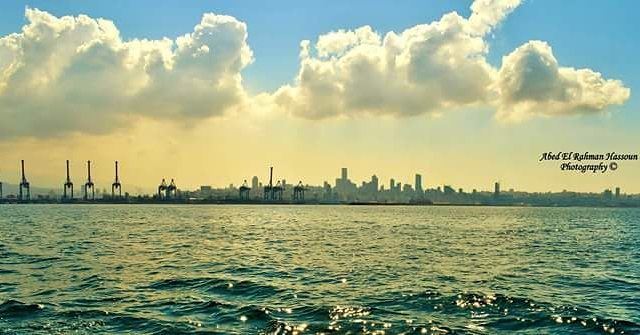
[[213, 92]]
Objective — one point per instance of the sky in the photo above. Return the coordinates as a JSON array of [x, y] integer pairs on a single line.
[[213, 92]]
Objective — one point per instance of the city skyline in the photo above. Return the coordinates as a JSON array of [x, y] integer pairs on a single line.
[[99, 103], [343, 185], [316, 167]]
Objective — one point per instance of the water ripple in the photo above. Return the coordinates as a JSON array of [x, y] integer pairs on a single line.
[[323, 269]]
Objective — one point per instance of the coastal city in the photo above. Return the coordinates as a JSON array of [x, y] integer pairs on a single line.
[[281, 191], [319, 167]]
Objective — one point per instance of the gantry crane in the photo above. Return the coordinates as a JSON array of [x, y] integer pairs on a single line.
[[89, 184], [162, 189], [24, 185], [244, 191], [172, 189], [68, 185], [298, 192], [116, 185]]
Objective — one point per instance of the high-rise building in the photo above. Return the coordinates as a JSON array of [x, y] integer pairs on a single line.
[[370, 188], [255, 184], [374, 183], [392, 184], [344, 187], [617, 192], [418, 183], [496, 189]]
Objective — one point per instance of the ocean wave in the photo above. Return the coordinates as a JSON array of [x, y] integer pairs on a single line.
[[461, 271], [425, 312], [15, 308], [221, 286]]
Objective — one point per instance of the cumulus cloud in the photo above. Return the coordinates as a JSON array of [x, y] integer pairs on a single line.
[[69, 74], [486, 14], [424, 69], [531, 83], [435, 67]]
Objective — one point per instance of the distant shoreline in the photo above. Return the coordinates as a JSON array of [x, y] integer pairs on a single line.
[[290, 203]]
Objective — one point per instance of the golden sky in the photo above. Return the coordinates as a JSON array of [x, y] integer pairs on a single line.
[[423, 100]]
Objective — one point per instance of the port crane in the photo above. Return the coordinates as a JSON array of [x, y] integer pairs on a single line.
[[298, 192], [67, 186], [24, 185], [172, 189], [244, 191], [162, 189], [89, 184], [116, 185]]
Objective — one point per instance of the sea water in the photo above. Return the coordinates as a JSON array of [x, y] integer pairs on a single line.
[[102, 269]]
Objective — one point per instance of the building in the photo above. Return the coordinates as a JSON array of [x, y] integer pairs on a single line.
[[418, 184], [496, 189], [206, 191], [344, 187], [369, 189], [448, 190], [374, 183]]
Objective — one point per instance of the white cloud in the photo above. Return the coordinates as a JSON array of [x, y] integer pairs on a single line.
[[532, 83], [76, 74], [337, 42], [435, 67], [426, 68], [486, 14], [63, 75]]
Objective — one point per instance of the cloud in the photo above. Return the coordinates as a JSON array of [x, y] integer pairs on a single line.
[[436, 67], [532, 83], [424, 69], [76, 74], [63, 75], [486, 14]]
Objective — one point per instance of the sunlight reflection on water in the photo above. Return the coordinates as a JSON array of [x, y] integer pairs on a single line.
[[314, 269]]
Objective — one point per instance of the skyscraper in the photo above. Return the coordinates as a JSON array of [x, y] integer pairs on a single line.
[[254, 183], [496, 189], [418, 183], [374, 183], [344, 187]]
